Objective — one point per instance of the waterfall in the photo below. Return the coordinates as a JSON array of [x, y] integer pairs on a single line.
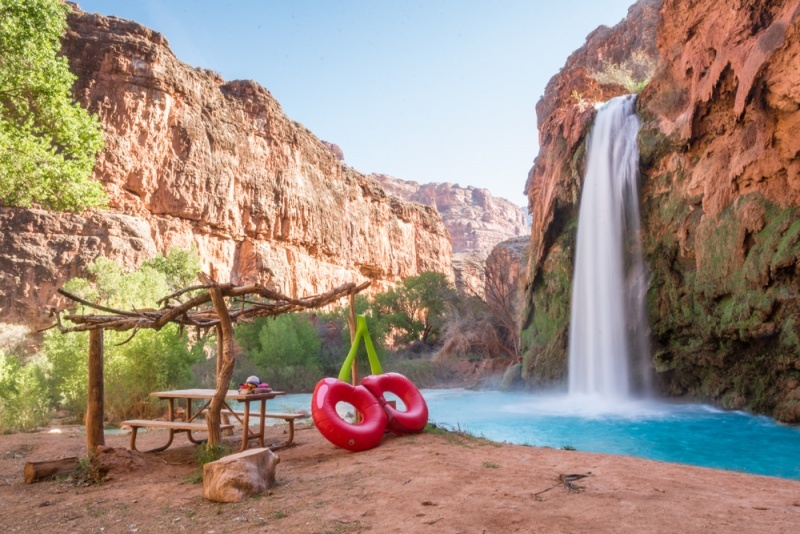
[[608, 338]]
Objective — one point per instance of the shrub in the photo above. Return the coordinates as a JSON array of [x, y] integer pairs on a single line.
[[414, 311], [285, 349], [22, 405], [470, 330], [633, 74]]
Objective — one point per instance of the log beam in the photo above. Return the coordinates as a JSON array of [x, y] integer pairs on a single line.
[[94, 399]]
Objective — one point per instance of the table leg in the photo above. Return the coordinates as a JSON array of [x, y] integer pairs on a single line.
[[226, 420], [261, 424], [246, 425], [189, 419]]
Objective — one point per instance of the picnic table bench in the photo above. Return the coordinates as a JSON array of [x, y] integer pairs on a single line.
[[288, 417], [172, 426], [190, 425]]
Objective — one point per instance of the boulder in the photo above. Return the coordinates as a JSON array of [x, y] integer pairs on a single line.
[[238, 476]]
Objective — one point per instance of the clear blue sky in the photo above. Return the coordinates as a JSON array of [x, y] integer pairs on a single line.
[[432, 91]]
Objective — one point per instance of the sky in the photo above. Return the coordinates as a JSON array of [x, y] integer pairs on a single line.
[[430, 91]]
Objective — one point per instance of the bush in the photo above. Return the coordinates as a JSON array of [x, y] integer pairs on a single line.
[[22, 404], [414, 310], [471, 329], [422, 371], [285, 349], [633, 74]]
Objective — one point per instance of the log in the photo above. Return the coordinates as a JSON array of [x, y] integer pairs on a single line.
[[36, 471]]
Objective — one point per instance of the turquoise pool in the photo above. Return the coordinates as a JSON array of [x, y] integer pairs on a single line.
[[684, 433]]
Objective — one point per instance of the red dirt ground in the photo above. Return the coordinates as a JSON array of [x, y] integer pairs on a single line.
[[425, 483]]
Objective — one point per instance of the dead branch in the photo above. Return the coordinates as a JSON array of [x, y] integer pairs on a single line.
[[76, 298], [204, 317], [180, 292]]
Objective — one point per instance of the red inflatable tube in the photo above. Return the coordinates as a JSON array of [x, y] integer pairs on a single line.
[[415, 417], [360, 437]]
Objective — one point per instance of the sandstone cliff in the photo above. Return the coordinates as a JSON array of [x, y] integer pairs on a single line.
[[193, 160], [720, 155], [476, 220]]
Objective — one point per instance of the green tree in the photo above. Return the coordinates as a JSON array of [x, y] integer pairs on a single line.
[[134, 366], [284, 350], [415, 308], [48, 144]]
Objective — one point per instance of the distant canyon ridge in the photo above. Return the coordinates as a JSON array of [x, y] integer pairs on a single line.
[[192, 160], [476, 220]]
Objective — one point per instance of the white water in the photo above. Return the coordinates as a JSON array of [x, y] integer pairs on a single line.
[[608, 339]]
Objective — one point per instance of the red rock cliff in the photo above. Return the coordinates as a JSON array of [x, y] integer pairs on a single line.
[[720, 162], [476, 220], [720, 149], [193, 160]]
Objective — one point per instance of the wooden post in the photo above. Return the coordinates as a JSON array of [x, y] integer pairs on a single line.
[[94, 399], [220, 351], [351, 321], [225, 354], [224, 417]]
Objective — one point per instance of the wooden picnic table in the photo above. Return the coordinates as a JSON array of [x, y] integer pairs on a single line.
[[205, 395]]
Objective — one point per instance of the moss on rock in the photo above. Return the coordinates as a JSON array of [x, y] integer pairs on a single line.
[[723, 309]]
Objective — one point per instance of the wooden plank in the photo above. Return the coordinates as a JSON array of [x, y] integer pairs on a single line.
[[175, 425], [271, 415], [36, 471], [232, 394], [94, 399]]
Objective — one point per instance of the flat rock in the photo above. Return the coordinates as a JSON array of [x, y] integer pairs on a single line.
[[239, 476]]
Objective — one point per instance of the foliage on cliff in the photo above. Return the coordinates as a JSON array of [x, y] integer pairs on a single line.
[[48, 143]]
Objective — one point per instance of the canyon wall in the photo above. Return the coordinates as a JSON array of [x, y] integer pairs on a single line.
[[476, 221], [191, 160], [720, 156]]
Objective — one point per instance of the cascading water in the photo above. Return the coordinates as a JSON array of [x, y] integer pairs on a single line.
[[608, 338]]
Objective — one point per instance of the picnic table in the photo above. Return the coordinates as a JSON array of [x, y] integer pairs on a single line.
[[205, 396]]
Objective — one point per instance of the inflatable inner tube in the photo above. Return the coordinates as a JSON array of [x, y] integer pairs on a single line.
[[415, 417], [360, 437]]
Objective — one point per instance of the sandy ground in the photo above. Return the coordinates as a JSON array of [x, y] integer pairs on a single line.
[[425, 483]]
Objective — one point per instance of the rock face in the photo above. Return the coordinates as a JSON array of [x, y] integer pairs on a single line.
[[720, 162], [720, 150], [193, 160], [476, 220]]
